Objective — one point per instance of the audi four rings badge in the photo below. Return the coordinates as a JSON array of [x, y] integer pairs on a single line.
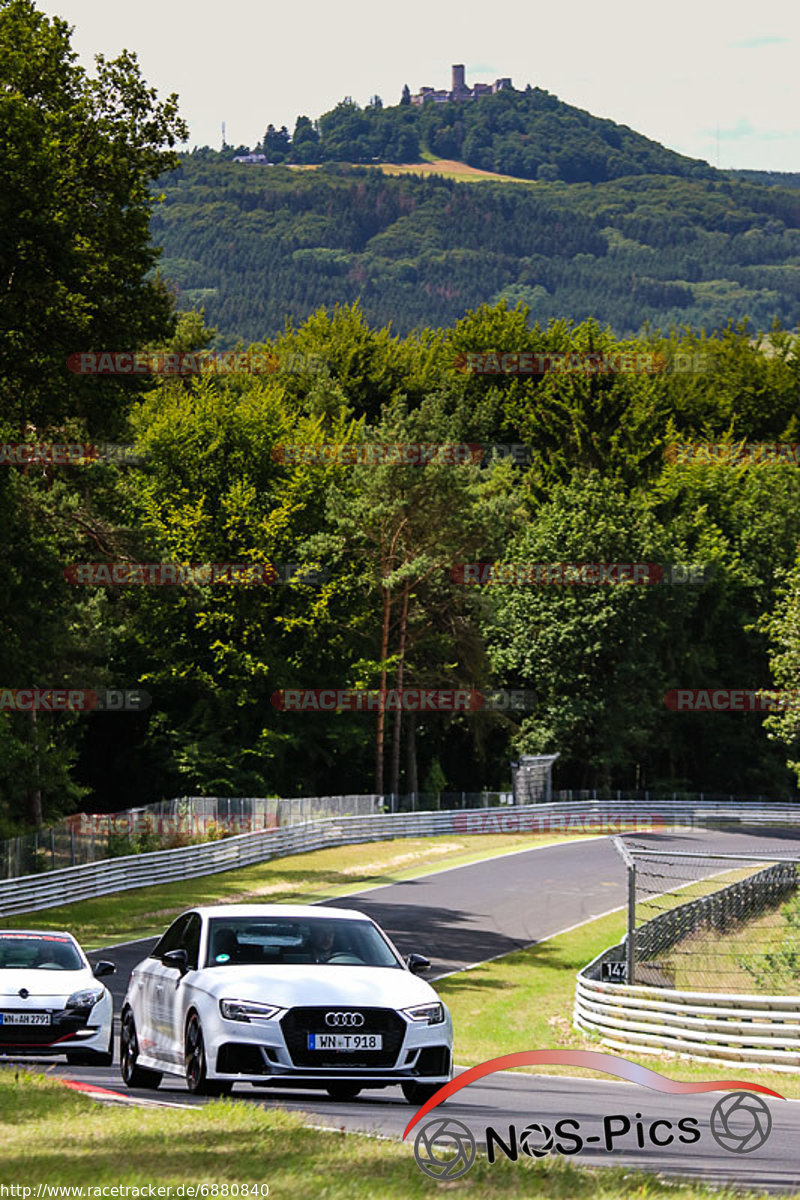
[[344, 1018]]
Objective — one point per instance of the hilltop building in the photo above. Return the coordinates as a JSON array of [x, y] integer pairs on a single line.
[[459, 89]]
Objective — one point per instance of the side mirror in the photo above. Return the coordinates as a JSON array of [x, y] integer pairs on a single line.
[[178, 959], [418, 963], [104, 968]]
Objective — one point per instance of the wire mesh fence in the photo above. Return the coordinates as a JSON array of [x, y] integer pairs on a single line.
[[91, 837], [713, 922]]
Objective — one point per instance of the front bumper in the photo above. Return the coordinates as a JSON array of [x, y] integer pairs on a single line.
[[276, 1050], [67, 1030]]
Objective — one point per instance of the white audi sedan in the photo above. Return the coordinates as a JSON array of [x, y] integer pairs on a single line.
[[51, 999], [283, 995]]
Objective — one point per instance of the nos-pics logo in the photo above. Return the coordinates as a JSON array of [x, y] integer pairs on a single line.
[[445, 1148]]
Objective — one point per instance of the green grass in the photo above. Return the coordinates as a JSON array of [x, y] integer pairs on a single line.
[[712, 960], [709, 960], [55, 1136], [301, 878], [524, 1001]]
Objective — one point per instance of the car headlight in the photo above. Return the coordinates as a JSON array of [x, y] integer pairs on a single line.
[[85, 998], [247, 1010], [432, 1014]]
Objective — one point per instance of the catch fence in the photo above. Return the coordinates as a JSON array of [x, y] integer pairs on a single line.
[[191, 820], [721, 922], [710, 965]]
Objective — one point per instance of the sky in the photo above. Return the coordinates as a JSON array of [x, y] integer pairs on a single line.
[[714, 79]]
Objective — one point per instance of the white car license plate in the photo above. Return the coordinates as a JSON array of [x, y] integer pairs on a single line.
[[17, 1018], [345, 1041]]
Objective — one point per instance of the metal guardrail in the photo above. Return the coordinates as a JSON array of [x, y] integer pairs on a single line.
[[737, 1030], [734, 1029], [91, 837], [32, 893]]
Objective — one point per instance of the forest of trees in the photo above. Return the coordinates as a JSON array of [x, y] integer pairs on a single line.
[[254, 246], [600, 486], [598, 483]]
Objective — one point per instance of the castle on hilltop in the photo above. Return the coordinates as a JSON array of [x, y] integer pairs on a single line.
[[459, 90]]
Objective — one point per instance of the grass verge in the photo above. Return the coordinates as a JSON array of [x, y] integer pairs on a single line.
[[524, 1001], [301, 878], [54, 1136], [760, 956]]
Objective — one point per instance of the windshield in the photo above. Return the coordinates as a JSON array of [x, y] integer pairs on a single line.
[[32, 951], [287, 941]]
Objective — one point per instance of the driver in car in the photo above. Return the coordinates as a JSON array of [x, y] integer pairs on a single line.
[[322, 938]]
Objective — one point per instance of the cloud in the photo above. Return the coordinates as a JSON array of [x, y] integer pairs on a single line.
[[743, 130], [756, 43]]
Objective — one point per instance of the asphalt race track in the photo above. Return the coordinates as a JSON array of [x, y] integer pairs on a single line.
[[467, 914]]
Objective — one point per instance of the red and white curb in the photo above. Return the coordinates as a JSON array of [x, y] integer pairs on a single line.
[[101, 1094]]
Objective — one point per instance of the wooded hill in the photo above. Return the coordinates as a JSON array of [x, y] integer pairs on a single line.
[[256, 245], [530, 134]]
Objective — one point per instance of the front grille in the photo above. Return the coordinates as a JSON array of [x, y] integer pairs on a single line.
[[299, 1022], [64, 1024]]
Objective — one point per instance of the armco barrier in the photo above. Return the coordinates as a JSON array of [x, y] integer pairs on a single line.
[[740, 1030], [736, 1030], [30, 893]]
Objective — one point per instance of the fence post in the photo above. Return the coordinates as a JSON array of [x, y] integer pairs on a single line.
[[630, 947], [52, 849]]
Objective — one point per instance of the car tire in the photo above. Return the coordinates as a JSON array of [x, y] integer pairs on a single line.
[[419, 1093], [197, 1080], [343, 1091], [133, 1076]]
